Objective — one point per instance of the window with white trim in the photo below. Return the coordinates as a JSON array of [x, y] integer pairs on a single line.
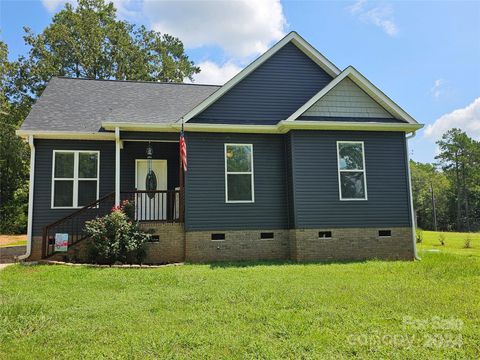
[[75, 178], [352, 181], [239, 173]]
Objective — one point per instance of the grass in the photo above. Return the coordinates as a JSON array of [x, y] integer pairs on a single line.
[[374, 309], [454, 243], [13, 240]]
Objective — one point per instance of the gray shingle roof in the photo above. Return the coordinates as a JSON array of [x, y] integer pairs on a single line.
[[82, 105]]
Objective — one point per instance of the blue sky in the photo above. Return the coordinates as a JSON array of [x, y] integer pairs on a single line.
[[423, 55]]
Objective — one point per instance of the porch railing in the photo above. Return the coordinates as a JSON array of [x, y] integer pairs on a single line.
[[74, 224], [159, 206]]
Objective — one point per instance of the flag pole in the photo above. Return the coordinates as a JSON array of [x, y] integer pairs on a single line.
[[180, 179]]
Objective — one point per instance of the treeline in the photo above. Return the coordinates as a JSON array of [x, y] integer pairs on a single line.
[[85, 41], [446, 194]]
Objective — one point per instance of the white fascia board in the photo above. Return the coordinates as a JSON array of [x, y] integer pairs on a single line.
[[131, 126], [176, 127], [282, 127], [360, 80], [295, 38], [287, 125], [66, 135]]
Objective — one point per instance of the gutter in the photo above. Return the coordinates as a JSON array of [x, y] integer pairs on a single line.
[[412, 211], [30, 200], [282, 127]]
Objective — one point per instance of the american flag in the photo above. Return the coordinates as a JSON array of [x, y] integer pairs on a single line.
[[183, 150]]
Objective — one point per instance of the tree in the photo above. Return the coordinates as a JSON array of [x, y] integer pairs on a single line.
[[85, 41], [89, 42], [14, 156], [432, 192], [459, 158]]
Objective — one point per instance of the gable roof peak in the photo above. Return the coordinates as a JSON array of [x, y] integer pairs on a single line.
[[292, 37], [363, 83]]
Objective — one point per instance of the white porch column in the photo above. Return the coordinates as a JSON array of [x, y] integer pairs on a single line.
[[117, 166]]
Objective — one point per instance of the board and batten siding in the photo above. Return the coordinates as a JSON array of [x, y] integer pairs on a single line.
[[315, 181], [205, 206], [43, 214], [273, 92]]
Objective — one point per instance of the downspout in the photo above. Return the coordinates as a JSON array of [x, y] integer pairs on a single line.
[[30, 200], [412, 211], [117, 166]]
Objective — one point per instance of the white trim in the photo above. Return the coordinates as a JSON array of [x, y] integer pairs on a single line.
[[293, 37], [68, 135], [133, 126], [363, 170], [118, 146], [360, 80], [75, 177], [410, 194], [251, 173], [281, 127], [286, 126], [30, 199]]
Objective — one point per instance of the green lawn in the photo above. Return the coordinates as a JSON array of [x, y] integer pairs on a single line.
[[15, 243], [454, 243], [375, 309]]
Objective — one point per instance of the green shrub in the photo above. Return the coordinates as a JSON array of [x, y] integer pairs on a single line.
[[441, 239], [419, 236], [116, 238]]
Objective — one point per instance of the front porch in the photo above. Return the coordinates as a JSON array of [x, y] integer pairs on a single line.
[[158, 204]]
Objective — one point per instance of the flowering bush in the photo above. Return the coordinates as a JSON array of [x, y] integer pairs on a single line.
[[116, 237]]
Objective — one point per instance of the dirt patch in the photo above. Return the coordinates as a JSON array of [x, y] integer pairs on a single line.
[[9, 254], [6, 240]]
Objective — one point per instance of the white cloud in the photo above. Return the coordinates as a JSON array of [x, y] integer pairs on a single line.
[[466, 119], [54, 5], [125, 8], [242, 28], [437, 88], [213, 73], [381, 15]]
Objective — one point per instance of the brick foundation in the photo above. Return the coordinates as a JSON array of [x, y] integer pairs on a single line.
[[171, 245], [295, 244], [351, 244], [238, 245]]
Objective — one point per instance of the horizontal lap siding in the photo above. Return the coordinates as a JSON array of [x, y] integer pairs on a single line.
[[314, 165], [205, 184], [274, 91], [42, 212]]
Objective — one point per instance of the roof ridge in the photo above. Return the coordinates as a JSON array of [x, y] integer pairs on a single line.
[[135, 81]]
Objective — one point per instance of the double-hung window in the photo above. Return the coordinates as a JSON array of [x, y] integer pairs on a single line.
[[239, 173], [75, 178], [352, 181]]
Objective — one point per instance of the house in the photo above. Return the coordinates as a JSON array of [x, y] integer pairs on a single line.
[[290, 159]]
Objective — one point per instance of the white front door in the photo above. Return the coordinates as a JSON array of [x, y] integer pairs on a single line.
[[151, 206]]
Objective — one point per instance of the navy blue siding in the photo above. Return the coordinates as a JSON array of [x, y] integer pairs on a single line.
[[315, 185], [149, 135], [205, 184], [42, 212], [133, 150], [274, 91]]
